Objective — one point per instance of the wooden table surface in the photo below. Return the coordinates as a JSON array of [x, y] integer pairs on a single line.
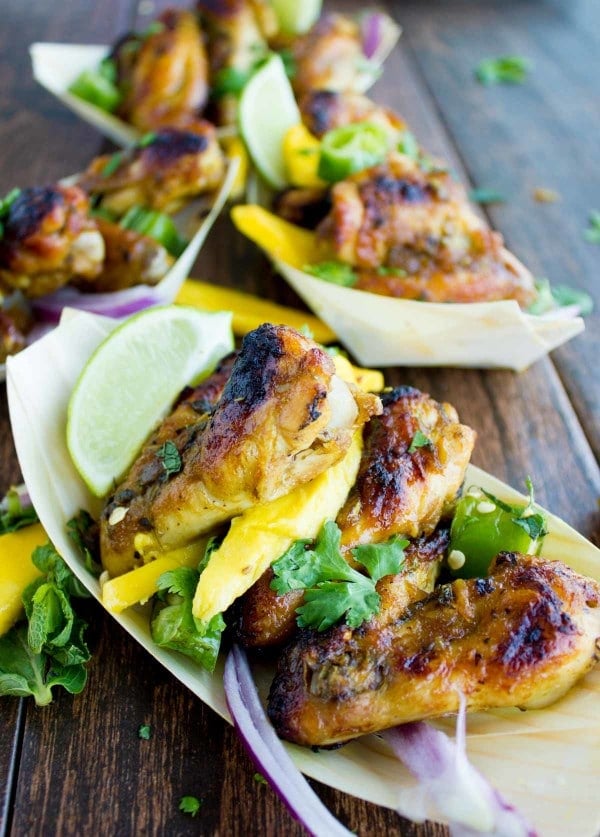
[[77, 767]]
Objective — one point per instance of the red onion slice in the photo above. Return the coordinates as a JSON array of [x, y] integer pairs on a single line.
[[268, 752], [379, 36], [116, 304], [450, 788]]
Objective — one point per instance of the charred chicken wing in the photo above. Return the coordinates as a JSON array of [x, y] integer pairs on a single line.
[[48, 239], [411, 233], [324, 110], [283, 417], [163, 73], [520, 637], [172, 167]]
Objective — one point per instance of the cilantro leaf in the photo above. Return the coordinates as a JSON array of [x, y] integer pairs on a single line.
[[419, 440], [507, 69], [528, 517], [170, 458], [337, 273], [85, 534], [260, 779], [333, 589], [592, 233], [564, 295], [13, 514], [145, 732], [485, 196], [190, 805]]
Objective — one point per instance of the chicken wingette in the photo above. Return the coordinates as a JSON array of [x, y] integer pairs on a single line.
[[409, 232], [521, 637], [168, 168], [324, 110], [48, 238], [283, 418], [398, 491]]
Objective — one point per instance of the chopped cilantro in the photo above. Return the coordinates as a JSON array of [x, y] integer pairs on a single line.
[[419, 440], [333, 589], [260, 779], [170, 458], [507, 69], [592, 233], [147, 139], [485, 196], [337, 273], [553, 296], [145, 732], [112, 164], [190, 805]]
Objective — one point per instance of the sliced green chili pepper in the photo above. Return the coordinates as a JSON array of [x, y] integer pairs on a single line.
[[157, 225], [352, 148], [98, 87]]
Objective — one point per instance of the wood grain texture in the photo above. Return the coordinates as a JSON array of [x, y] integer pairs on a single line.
[[82, 768]]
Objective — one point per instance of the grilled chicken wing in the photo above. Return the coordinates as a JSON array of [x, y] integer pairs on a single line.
[[284, 417], [163, 73], [130, 259], [329, 57], [324, 110], [48, 239], [411, 233], [163, 173], [520, 637], [397, 491], [266, 620]]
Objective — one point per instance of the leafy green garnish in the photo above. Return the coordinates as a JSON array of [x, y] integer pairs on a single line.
[[158, 225], [552, 296], [173, 623], [50, 649], [190, 805], [83, 531], [145, 732], [485, 196], [5, 204], [419, 440], [507, 69], [333, 589], [13, 515], [230, 80], [592, 233], [112, 164], [147, 139], [385, 270], [408, 144], [260, 779], [337, 273], [527, 517], [170, 458]]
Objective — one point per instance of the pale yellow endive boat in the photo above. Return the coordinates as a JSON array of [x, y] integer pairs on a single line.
[[547, 762]]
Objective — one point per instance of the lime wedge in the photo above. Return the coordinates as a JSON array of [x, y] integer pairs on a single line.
[[267, 111], [130, 382], [296, 18]]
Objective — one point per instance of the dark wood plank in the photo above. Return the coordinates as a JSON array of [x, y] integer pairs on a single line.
[[517, 138]]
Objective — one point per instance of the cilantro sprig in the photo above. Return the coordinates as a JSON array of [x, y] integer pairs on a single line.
[[559, 296], [190, 805], [526, 517], [49, 648], [506, 69], [333, 589], [338, 273]]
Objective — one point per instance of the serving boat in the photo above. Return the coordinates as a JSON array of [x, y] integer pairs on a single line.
[[547, 762]]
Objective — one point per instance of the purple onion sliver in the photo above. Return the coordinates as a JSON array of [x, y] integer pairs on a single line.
[[117, 304], [269, 753], [371, 33]]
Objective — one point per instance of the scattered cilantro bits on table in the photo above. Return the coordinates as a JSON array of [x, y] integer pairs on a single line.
[[592, 233], [506, 69], [190, 805], [144, 732], [484, 196], [260, 779]]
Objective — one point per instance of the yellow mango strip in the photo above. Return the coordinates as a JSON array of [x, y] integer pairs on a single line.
[[138, 585], [236, 151], [301, 154], [17, 570], [369, 380], [263, 533], [280, 239], [249, 311]]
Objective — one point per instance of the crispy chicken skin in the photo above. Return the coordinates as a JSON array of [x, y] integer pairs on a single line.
[[163, 174], [283, 418], [164, 74], [329, 57], [266, 620], [48, 239], [520, 637], [398, 491], [324, 110], [411, 233], [130, 259]]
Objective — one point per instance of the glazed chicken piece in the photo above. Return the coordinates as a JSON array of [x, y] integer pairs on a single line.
[[164, 73], [411, 233], [266, 620], [238, 31], [163, 173], [397, 492], [519, 638], [130, 259], [283, 418], [12, 340], [324, 110], [48, 239], [329, 57]]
